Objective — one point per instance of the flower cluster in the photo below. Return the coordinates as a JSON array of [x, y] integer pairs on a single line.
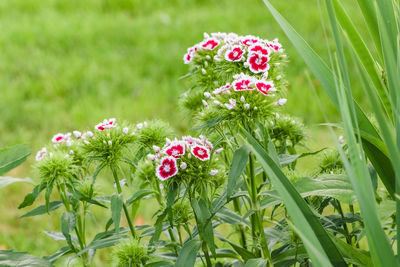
[[245, 97], [221, 56], [253, 52], [186, 159]]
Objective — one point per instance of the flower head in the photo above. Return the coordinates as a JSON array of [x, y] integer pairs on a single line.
[[41, 153], [167, 168], [200, 152], [106, 124]]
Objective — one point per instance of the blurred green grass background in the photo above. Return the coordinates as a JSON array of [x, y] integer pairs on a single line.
[[66, 65]]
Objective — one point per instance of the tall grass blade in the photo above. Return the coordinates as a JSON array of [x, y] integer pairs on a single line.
[[376, 154], [319, 246]]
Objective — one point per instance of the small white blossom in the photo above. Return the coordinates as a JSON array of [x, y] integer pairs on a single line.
[[77, 134], [41, 153], [281, 102], [213, 172], [183, 165]]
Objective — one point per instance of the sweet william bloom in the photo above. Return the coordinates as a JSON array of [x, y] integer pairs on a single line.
[[167, 168], [265, 87], [234, 54], [243, 84], [175, 149], [106, 124], [257, 62], [41, 153], [209, 44], [250, 40], [200, 152], [260, 49], [59, 138], [188, 57]]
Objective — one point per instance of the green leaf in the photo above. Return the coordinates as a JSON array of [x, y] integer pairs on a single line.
[[53, 205], [139, 195], [5, 181], [31, 197], [61, 252], [362, 52], [326, 78], [285, 159], [335, 186], [116, 209], [13, 156], [68, 222], [368, 9], [188, 253], [239, 161], [320, 247], [229, 216], [9, 258], [352, 255], [49, 189], [204, 226], [244, 253], [106, 242], [256, 263]]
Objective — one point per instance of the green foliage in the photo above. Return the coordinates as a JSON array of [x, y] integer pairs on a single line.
[[11, 157]]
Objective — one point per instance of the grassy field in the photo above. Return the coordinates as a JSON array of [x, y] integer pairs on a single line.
[[66, 65]]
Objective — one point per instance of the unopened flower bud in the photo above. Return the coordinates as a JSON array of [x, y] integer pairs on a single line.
[[216, 102], [208, 57], [156, 149], [219, 150], [205, 104], [109, 142], [139, 126], [89, 134], [213, 172], [207, 94], [125, 130], [151, 157], [247, 106], [71, 152], [278, 77], [203, 71], [183, 165], [341, 140], [281, 102], [242, 99], [255, 108], [77, 134]]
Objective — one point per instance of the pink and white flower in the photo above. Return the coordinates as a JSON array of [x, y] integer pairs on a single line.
[[175, 149], [106, 124], [243, 84], [274, 45], [222, 89], [234, 54], [249, 40], [188, 57], [260, 49], [257, 62], [209, 44], [265, 86], [200, 152], [40, 154], [59, 138], [167, 169]]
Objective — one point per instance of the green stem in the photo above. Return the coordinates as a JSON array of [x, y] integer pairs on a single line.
[[346, 230], [236, 206], [125, 208], [206, 255], [257, 214]]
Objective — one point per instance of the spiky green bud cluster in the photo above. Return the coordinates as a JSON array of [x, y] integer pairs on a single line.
[[130, 254]]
